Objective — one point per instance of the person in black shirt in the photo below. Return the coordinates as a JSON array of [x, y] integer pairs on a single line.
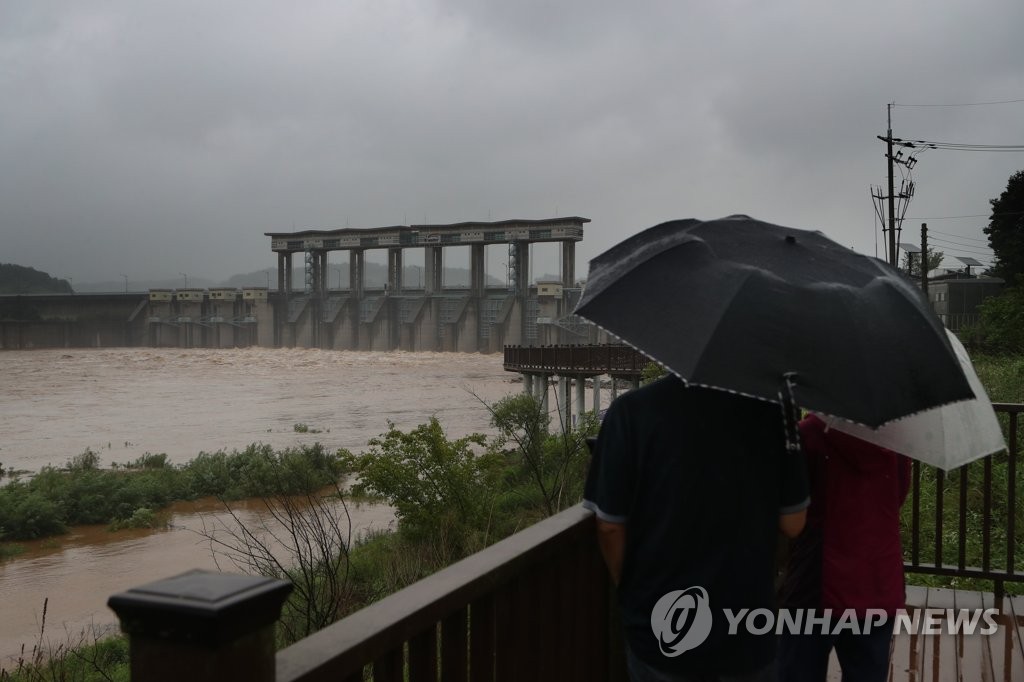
[[691, 487]]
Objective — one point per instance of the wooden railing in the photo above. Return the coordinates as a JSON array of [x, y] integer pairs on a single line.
[[535, 606], [614, 360], [974, 512]]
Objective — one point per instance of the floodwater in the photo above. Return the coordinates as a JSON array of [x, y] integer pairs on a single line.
[[122, 403]]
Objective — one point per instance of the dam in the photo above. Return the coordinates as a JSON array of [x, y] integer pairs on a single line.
[[400, 315]]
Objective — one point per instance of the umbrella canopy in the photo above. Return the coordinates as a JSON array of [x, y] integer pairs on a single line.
[[737, 304], [948, 436]]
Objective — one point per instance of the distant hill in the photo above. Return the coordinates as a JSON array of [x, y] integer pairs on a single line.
[[18, 279]]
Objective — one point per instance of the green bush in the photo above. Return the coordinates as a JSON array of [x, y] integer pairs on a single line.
[[26, 514], [439, 488], [140, 518], [83, 493]]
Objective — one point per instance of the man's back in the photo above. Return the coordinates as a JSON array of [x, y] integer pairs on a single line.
[[698, 477]]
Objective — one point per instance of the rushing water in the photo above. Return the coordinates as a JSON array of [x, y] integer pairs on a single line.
[[121, 403]]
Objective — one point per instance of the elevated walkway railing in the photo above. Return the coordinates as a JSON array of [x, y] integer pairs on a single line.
[[615, 360]]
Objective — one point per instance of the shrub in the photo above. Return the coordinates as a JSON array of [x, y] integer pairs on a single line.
[[438, 487], [27, 515]]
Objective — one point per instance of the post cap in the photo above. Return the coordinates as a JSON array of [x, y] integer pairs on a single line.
[[203, 607]]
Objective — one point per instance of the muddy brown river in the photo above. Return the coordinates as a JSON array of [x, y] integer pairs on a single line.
[[122, 403]]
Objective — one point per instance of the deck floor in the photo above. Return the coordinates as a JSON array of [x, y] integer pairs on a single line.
[[968, 658]]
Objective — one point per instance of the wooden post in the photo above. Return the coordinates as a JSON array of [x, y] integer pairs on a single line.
[[202, 626]]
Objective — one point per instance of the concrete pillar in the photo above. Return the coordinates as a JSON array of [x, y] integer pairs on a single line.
[[202, 626], [476, 269], [615, 388], [544, 391], [528, 383], [521, 284], [288, 273], [355, 286], [597, 395], [281, 268], [581, 406], [395, 270], [636, 382], [433, 265], [568, 264], [565, 400], [355, 272], [324, 285]]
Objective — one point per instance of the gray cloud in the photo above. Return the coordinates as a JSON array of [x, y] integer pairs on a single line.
[[166, 137]]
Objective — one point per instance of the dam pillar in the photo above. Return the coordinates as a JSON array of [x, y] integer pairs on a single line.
[[355, 286], [568, 264]]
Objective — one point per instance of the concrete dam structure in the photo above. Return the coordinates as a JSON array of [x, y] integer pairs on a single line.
[[426, 316]]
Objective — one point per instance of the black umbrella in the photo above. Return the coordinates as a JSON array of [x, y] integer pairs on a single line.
[[739, 304]]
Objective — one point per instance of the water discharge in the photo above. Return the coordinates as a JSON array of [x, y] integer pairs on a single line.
[[122, 403]]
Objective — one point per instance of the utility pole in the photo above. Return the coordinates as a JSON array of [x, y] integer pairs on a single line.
[[892, 190], [924, 258], [890, 222]]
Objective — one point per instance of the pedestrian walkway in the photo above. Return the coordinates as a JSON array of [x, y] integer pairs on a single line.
[[963, 658]]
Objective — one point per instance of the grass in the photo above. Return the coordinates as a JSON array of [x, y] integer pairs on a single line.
[[93, 656], [1003, 378]]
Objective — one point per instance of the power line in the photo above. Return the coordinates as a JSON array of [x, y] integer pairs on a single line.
[[958, 236], [962, 104], [961, 246], [956, 146], [953, 237], [975, 215], [977, 249]]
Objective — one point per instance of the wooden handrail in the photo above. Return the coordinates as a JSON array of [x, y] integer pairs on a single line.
[[341, 650]]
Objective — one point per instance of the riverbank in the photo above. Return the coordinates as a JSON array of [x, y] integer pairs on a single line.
[[123, 403]]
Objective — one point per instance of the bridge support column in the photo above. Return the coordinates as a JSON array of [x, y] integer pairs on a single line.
[[564, 400], [544, 388], [581, 405], [615, 387], [597, 396], [528, 384]]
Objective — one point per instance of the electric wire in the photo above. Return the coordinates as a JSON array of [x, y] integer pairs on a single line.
[[958, 236], [962, 104]]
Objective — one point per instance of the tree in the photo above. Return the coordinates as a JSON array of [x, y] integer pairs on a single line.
[[1001, 327], [912, 262], [553, 465], [440, 489], [1006, 229]]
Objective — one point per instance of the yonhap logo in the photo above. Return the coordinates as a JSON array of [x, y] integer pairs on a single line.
[[681, 620]]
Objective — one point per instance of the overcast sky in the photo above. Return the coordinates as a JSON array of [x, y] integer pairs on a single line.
[[151, 138]]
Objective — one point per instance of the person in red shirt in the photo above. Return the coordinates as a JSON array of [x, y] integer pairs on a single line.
[[848, 559]]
